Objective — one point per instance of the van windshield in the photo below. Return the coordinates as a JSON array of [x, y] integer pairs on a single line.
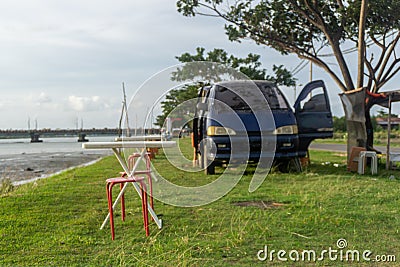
[[231, 98]]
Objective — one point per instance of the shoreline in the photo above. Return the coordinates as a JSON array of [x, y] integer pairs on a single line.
[[25, 168], [31, 180]]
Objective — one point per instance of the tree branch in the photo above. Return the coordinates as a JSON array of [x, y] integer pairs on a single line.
[[325, 66], [388, 53], [371, 76], [206, 7], [376, 41], [381, 58], [383, 82], [333, 41], [340, 3], [306, 15], [301, 53], [390, 73]]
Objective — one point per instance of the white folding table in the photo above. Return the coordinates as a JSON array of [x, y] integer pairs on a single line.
[[153, 137], [116, 147]]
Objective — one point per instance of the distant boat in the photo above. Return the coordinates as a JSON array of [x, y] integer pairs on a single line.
[[82, 138], [35, 138]]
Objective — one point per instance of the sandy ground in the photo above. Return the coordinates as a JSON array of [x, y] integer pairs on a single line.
[[28, 167]]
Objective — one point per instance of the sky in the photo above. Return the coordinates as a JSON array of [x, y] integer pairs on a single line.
[[64, 62]]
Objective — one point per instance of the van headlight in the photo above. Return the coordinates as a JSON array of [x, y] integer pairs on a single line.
[[217, 130], [288, 129]]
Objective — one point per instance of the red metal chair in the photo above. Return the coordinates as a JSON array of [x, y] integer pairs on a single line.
[[121, 181], [131, 162]]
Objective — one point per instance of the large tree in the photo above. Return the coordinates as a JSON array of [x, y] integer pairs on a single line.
[[250, 66], [319, 31]]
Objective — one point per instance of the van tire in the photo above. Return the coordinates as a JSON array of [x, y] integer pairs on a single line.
[[208, 166], [290, 165], [201, 160], [210, 170]]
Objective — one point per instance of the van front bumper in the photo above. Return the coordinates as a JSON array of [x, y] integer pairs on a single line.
[[251, 148]]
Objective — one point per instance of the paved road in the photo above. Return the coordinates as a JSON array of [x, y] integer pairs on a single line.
[[329, 147], [343, 148]]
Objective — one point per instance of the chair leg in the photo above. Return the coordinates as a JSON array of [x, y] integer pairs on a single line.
[[109, 187], [144, 209], [121, 185], [150, 192], [148, 168], [110, 208]]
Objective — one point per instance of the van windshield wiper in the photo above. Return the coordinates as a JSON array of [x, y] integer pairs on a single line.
[[242, 108]]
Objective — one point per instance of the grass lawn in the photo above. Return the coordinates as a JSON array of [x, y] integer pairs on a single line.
[[380, 138], [55, 221]]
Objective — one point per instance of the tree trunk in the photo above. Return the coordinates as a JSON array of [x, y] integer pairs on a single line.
[[357, 106], [361, 43], [355, 112]]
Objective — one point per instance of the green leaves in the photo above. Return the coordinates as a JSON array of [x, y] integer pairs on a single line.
[[187, 7], [282, 76], [228, 65], [250, 66], [175, 98], [307, 27]]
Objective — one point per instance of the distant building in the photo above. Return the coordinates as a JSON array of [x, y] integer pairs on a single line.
[[394, 122]]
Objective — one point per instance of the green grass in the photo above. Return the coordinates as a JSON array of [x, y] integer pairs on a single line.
[[55, 221], [380, 138]]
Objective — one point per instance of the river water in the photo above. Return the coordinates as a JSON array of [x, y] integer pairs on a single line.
[[22, 161], [49, 145]]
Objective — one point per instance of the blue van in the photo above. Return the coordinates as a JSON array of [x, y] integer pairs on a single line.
[[251, 121]]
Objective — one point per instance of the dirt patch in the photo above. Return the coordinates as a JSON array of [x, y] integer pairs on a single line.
[[262, 204]]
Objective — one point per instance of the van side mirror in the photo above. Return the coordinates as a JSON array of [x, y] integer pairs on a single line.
[[202, 106]]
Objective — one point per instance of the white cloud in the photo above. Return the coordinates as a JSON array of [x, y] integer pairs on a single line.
[[38, 99], [63, 58], [82, 103], [43, 98]]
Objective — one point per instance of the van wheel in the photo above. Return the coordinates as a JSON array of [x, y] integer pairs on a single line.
[[290, 165], [208, 166], [210, 169], [201, 157], [201, 160]]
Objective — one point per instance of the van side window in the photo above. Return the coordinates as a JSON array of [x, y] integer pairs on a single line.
[[274, 97]]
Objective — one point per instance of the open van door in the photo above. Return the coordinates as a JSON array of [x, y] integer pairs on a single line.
[[313, 115], [197, 134], [198, 129]]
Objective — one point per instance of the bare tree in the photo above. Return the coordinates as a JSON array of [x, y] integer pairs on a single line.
[[318, 30]]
